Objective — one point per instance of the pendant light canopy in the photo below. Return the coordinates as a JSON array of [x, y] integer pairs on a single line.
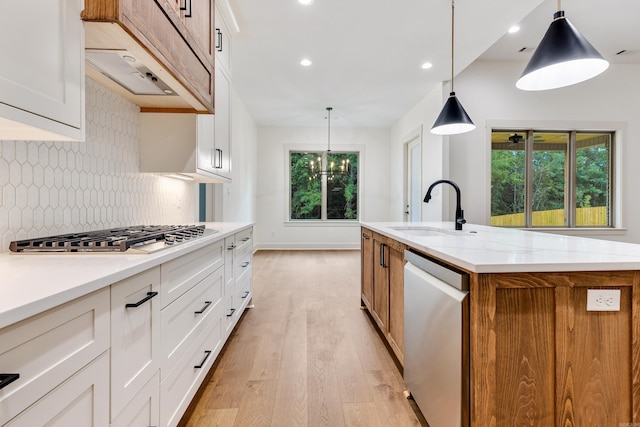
[[563, 58], [453, 119]]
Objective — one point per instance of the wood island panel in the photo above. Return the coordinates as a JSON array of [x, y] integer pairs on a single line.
[[538, 357]]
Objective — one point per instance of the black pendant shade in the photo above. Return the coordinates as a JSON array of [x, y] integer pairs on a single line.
[[563, 58], [453, 118]]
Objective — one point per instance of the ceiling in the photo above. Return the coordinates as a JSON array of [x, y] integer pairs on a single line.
[[367, 54]]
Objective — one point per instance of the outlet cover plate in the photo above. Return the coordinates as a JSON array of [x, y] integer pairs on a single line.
[[603, 299]]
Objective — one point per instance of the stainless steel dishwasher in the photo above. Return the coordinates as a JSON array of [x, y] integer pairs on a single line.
[[436, 340]]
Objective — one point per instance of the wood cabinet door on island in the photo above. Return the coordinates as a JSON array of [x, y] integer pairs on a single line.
[[538, 357], [367, 268]]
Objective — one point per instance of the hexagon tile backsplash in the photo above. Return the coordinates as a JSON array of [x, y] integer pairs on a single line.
[[54, 187]]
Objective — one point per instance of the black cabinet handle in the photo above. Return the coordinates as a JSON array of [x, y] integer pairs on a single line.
[[218, 159], [230, 248], [202, 310], [382, 260], [188, 14], [233, 310], [246, 239], [6, 379], [219, 42], [142, 301], [246, 294], [244, 264], [207, 353]]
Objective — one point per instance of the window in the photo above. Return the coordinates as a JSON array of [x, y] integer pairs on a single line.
[[551, 179], [323, 186]]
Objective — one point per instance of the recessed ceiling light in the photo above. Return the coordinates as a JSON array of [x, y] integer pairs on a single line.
[[514, 29], [306, 62], [426, 65], [305, 2]]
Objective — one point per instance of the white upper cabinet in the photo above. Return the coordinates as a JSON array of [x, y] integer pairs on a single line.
[[222, 41], [42, 70], [184, 144]]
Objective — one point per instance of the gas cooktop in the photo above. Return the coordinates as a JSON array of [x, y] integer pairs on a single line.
[[134, 239]]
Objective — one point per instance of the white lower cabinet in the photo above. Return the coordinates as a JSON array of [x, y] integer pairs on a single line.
[[144, 408], [135, 336], [81, 400], [133, 353], [47, 349], [182, 383]]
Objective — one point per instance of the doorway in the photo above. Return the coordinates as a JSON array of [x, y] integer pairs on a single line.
[[413, 178]]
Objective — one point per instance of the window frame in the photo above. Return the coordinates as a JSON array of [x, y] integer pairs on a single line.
[[318, 148], [570, 179]]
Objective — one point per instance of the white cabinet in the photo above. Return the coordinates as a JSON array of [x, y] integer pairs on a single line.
[[46, 349], [174, 143], [223, 41], [238, 275], [223, 124], [42, 72], [135, 336], [82, 400], [144, 408]]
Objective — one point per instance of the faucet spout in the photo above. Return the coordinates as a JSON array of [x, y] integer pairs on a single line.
[[459, 212]]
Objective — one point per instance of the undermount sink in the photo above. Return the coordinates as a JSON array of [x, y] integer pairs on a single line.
[[424, 231]]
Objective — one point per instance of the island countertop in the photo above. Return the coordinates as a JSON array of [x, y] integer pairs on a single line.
[[486, 249]]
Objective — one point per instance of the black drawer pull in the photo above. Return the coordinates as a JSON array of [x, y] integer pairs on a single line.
[[244, 264], [142, 301], [246, 239], [230, 248], [207, 354], [246, 294], [6, 379], [202, 310], [233, 310]]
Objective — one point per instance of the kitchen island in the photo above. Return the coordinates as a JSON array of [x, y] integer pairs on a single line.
[[537, 356]]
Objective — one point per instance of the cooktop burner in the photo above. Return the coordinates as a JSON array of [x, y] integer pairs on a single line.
[[135, 239]]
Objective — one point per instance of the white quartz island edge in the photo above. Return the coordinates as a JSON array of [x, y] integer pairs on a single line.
[[485, 249], [33, 283]]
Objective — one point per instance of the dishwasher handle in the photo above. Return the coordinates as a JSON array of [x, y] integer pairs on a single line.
[[448, 274]]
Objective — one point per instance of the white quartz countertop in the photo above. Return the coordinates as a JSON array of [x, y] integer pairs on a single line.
[[485, 249], [33, 283]]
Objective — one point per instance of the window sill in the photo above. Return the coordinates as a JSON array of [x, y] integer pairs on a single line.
[[582, 231]]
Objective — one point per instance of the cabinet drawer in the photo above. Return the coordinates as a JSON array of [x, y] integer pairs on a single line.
[[242, 266], [177, 389], [144, 408], [229, 318], [48, 348], [135, 336], [243, 292], [184, 319], [82, 400], [181, 274], [244, 242], [229, 247]]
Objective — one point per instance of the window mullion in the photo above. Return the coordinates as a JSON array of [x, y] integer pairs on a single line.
[[528, 181], [571, 198], [323, 209]]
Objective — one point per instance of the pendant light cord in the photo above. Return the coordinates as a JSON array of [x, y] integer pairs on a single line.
[[329, 129], [452, 43]]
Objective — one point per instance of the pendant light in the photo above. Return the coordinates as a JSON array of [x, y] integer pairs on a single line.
[[453, 119], [563, 58], [331, 168]]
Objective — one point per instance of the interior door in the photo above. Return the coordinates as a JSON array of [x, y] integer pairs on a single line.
[[413, 179]]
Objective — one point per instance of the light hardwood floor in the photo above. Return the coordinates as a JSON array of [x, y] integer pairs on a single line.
[[306, 354]]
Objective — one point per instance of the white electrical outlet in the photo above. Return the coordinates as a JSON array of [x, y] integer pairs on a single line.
[[603, 299]]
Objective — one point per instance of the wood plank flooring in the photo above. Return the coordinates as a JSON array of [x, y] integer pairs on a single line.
[[306, 354]]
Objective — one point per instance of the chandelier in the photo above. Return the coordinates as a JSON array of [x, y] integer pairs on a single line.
[[323, 165]]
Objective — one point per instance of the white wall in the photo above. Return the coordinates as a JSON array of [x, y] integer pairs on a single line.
[[239, 197], [272, 230], [610, 101], [435, 156]]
